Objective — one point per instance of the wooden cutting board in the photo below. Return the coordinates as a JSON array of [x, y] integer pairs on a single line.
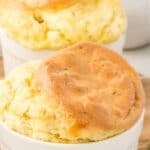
[[145, 137]]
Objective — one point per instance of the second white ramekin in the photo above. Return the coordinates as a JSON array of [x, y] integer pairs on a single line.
[[138, 23], [14, 54]]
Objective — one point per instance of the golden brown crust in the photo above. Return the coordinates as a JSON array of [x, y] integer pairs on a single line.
[[46, 3], [97, 87]]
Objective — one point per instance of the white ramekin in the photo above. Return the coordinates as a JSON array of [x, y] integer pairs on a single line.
[[125, 141], [14, 54], [138, 23]]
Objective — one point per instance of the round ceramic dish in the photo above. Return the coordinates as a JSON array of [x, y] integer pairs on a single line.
[[14, 54], [125, 141], [138, 23]]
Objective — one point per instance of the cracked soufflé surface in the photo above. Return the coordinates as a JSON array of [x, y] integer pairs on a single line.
[[55, 24]]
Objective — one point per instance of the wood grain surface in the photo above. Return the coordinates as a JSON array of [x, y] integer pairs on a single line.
[[144, 143], [145, 137]]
